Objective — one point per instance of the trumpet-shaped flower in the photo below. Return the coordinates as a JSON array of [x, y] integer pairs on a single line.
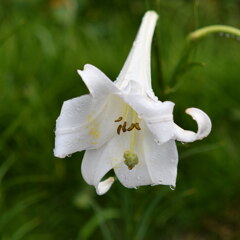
[[123, 126]]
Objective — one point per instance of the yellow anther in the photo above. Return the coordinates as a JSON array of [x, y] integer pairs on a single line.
[[119, 119], [131, 127], [137, 126], [119, 129], [124, 126]]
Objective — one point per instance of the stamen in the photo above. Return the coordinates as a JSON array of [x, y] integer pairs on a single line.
[[131, 158], [124, 126], [119, 129], [131, 127], [134, 115], [119, 119], [126, 112], [137, 126]]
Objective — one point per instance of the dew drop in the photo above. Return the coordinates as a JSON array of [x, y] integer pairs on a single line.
[[172, 187], [69, 155], [157, 141], [227, 35], [221, 34]]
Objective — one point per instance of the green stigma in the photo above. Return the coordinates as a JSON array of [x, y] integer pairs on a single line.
[[131, 159]]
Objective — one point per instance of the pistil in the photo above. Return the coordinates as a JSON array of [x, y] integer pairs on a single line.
[[134, 115], [130, 157]]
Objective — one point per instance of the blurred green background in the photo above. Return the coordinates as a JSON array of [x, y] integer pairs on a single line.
[[42, 44]]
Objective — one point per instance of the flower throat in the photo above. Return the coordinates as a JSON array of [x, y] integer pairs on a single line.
[[131, 158]]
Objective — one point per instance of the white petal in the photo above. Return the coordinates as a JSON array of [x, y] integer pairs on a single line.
[[96, 163], [86, 124], [104, 186], [157, 115], [97, 82], [137, 65], [157, 163], [139, 175], [204, 127]]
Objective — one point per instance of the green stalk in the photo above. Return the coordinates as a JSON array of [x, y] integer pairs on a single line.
[[203, 32], [191, 41]]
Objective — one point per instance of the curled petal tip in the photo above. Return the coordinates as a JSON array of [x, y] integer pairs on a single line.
[[104, 186], [203, 121], [204, 126]]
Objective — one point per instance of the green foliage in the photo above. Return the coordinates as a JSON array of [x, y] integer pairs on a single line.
[[42, 44]]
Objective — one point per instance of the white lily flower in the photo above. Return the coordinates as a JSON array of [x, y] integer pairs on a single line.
[[123, 126]]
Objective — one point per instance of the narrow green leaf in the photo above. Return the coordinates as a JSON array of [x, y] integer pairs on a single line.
[[88, 229], [25, 229]]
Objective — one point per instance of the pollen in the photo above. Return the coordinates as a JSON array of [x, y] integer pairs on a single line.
[[119, 119], [137, 126], [131, 127], [124, 126], [119, 129]]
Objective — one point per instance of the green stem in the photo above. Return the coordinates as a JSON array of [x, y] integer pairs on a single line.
[[193, 38], [202, 32], [147, 5], [179, 67]]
